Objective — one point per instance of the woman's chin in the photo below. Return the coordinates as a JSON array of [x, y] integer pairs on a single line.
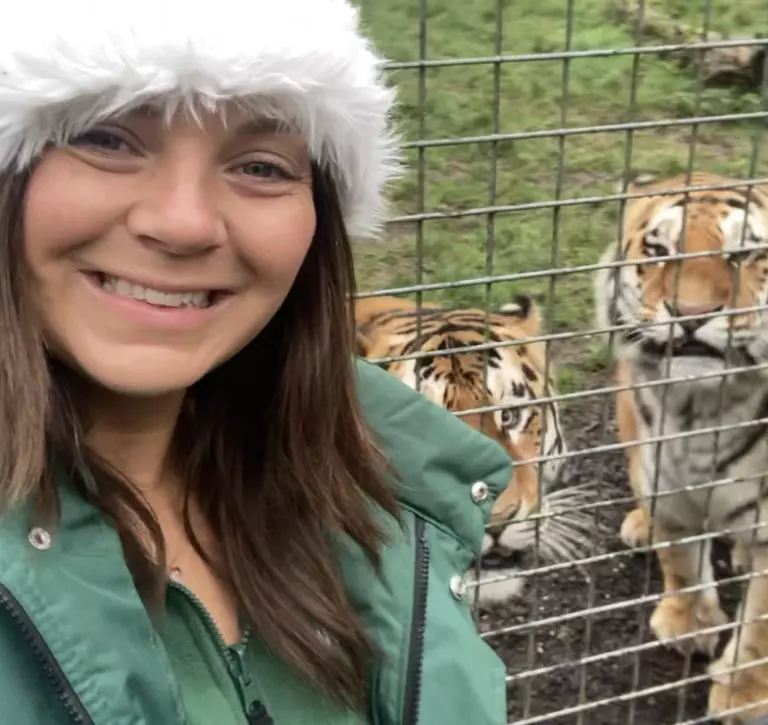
[[163, 375]]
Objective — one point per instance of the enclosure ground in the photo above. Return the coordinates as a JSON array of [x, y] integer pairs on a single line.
[[623, 578]]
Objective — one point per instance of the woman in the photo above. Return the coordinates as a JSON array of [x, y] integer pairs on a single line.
[[198, 523]]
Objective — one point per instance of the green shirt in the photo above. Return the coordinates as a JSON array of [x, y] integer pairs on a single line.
[[216, 680], [205, 668]]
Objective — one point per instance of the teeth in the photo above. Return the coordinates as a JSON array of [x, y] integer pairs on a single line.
[[123, 287]]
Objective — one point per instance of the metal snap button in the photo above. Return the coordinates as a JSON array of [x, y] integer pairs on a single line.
[[458, 587], [479, 491], [39, 538]]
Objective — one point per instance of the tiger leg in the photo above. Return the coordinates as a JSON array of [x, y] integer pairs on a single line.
[[635, 527], [681, 613], [682, 566], [747, 688]]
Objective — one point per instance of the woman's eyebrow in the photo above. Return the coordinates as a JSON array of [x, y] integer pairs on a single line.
[[145, 111], [261, 126]]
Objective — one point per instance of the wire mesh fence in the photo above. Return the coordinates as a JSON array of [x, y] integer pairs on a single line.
[[577, 265]]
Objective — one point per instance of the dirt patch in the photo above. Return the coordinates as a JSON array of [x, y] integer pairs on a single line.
[[607, 689]]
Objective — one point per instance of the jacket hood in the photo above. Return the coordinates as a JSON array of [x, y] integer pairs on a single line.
[[67, 65]]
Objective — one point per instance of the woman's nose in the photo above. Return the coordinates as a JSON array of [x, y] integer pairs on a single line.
[[177, 209]]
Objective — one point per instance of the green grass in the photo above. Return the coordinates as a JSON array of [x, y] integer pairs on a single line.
[[567, 381], [459, 103]]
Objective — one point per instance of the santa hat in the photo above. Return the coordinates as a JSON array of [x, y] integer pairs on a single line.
[[66, 64]]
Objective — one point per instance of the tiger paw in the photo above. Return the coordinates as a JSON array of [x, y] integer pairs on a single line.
[[634, 528], [745, 690], [677, 616]]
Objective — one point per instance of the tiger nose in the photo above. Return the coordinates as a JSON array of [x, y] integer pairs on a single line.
[[499, 522], [682, 309], [494, 529]]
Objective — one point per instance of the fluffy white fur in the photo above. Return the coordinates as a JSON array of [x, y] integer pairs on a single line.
[[65, 65]]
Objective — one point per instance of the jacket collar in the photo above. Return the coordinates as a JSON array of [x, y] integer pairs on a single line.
[[73, 585]]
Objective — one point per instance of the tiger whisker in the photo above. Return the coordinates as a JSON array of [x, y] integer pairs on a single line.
[[564, 533]]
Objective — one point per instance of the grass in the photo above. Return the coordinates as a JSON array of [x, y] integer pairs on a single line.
[[459, 102]]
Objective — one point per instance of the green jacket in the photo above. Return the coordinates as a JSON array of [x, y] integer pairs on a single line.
[[77, 647]]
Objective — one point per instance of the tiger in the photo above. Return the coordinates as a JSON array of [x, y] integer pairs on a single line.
[[516, 378], [723, 230]]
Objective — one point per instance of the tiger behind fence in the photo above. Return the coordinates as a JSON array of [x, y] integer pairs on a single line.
[[732, 223], [387, 327]]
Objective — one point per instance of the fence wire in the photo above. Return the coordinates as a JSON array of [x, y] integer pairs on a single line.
[[609, 603]]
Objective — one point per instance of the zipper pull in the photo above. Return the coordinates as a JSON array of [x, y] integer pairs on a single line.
[[237, 666], [258, 715]]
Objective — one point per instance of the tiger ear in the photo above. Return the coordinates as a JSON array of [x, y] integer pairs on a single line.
[[637, 207], [360, 317], [637, 181], [524, 314], [363, 343]]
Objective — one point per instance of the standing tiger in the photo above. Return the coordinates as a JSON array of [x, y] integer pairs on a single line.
[[730, 225], [516, 380]]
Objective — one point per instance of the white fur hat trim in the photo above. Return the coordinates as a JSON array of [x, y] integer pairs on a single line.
[[66, 64]]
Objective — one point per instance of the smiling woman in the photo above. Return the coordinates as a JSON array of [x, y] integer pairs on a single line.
[[183, 220], [210, 512]]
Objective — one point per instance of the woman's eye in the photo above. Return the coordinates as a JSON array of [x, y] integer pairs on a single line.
[[265, 170], [102, 140]]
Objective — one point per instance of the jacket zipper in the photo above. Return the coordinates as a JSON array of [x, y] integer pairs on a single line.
[[234, 655], [412, 698], [64, 690]]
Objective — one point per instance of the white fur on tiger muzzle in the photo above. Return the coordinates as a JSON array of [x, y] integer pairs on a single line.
[[560, 531]]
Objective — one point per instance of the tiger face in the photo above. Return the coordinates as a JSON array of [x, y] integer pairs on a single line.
[[515, 381], [729, 223]]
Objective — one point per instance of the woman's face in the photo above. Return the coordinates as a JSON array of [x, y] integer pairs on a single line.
[[158, 250]]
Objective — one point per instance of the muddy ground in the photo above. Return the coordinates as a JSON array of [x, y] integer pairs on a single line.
[[620, 579]]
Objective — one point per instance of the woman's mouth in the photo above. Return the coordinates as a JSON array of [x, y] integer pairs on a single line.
[[151, 304], [198, 299]]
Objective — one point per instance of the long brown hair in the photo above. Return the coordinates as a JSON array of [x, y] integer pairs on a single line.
[[277, 428]]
